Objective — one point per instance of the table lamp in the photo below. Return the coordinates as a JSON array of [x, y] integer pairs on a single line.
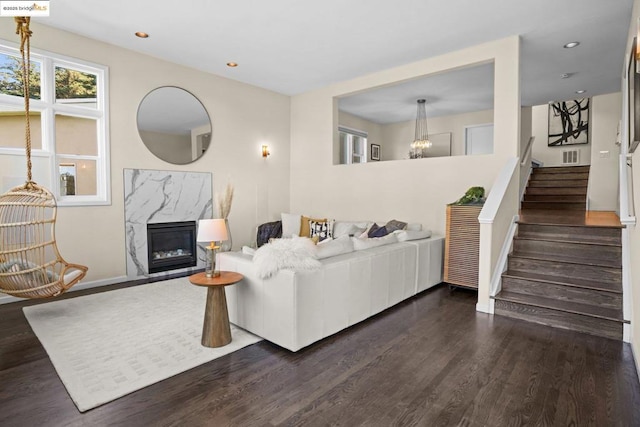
[[211, 231]]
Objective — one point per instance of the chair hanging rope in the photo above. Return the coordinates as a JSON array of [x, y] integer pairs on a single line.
[[30, 264], [22, 23]]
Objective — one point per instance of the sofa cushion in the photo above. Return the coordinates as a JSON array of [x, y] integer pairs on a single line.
[[329, 248], [360, 244], [406, 235]]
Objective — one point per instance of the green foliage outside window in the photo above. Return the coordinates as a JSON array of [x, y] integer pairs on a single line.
[[11, 77], [70, 84]]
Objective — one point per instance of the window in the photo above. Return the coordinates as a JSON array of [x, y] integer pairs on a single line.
[[68, 116], [353, 146]]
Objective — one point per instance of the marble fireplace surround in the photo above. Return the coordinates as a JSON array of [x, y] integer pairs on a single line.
[[155, 196]]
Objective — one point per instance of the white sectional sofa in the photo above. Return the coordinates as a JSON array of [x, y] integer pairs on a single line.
[[296, 309]]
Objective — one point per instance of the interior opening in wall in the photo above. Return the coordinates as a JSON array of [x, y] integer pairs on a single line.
[[455, 100]]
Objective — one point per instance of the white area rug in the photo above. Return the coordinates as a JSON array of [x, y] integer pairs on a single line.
[[107, 345]]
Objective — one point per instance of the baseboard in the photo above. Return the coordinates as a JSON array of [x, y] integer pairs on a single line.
[[6, 299]]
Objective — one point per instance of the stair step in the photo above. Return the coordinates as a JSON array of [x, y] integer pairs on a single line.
[[562, 169], [556, 198], [575, 282], [562, 269], [581, 183], [559, 176], [560, 191], [562, 292], [560, 205], [609, 255], [586, 234], [564, 306], [563, 315], [569, 259]]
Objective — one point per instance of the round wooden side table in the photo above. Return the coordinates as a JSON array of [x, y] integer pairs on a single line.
[[216, 331]]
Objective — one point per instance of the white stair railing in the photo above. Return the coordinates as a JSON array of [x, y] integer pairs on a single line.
[[497, 228]]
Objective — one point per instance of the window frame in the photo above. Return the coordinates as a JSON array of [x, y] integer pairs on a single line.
[[48, 108], [350, 134]]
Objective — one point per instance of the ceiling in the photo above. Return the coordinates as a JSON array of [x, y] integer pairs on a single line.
[[454, 92], [293, 46]]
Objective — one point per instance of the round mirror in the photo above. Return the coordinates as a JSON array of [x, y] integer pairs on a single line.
[[174, 125]]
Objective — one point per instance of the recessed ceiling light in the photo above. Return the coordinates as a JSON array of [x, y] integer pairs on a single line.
[[581, 91], [571, 45], [232, 64], [142, 34]]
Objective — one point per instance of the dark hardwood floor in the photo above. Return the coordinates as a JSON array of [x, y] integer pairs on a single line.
[[430, 361]]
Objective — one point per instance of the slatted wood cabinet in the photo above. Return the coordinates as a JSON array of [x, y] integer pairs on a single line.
[[462, 245]]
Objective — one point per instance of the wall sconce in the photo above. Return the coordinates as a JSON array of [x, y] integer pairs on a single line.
[[265, 151]]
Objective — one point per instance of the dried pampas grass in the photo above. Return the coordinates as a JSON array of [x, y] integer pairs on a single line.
[[223, 202]]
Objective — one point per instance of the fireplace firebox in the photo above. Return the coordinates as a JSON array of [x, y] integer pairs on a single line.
[[171, 245]]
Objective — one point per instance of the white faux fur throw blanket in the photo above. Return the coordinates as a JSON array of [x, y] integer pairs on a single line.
[[297, 253]]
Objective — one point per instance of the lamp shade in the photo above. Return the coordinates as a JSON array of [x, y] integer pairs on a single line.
[[212, 230]]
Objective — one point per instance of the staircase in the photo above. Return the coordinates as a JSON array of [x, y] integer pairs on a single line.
[[557, 188], [566, 268]]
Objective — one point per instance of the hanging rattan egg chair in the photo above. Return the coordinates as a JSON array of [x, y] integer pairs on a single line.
[[30, 264]]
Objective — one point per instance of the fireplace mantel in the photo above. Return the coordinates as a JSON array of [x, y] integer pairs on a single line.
[[154, 196]]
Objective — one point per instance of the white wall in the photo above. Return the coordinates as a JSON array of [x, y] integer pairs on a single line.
[[244, 117], [417, 190], [400, 135], [552, 156], [603, 177], [604, 171]]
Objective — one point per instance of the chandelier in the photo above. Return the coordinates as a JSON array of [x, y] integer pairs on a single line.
[[421, 140]]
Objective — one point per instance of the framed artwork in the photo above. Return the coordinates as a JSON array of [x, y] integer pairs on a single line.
[[568, 123], [375, 152], [633, 99]]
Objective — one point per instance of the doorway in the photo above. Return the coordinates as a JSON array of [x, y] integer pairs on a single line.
[[478, 139]]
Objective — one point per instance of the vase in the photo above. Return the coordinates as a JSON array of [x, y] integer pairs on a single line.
[[225, 245]]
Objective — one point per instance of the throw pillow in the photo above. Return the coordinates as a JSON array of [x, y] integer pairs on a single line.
[[394, 225], [377, 231], [305, 231], [322, 229], [290, 224], [349, 228], [352, 231], [248, 250]]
